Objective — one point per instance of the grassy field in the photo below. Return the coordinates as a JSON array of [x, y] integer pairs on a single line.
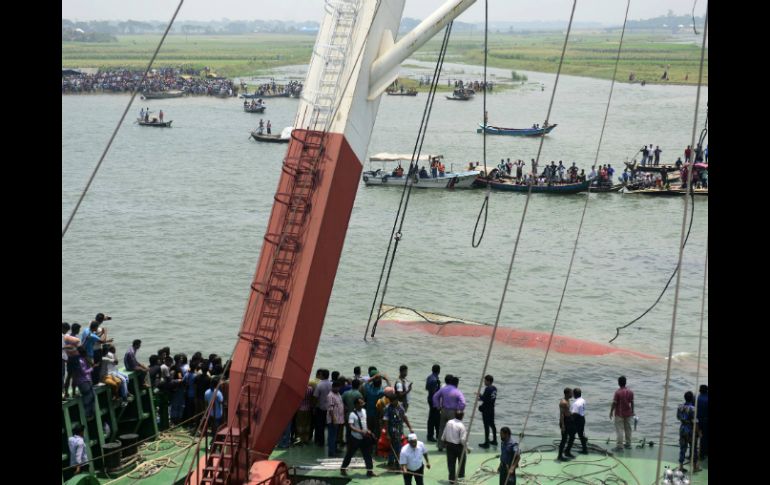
[[589, 54]]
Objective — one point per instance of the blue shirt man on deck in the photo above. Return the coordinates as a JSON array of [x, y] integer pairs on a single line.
[[432, 385], [509, 457]]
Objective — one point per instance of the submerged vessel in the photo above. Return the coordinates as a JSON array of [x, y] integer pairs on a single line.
[[290, 290]]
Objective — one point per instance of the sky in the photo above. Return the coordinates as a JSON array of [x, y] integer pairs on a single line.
[[608, 12]]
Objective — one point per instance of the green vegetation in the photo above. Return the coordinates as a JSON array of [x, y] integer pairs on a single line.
[[591, 54], [515, 76]]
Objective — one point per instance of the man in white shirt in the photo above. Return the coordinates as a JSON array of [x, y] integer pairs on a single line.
[[360, 437], [454, 438], [77, 448], [411, 458], [578, 410]]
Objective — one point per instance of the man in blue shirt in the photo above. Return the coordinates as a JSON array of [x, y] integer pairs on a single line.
[[509, 457], [703, 419], [215, 415], [432, 385], [487, 409]]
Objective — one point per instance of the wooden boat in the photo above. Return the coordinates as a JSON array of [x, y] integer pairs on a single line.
[[285, 94], [269, 138], [461, 95], [156, 124], [673, 190], [548, 189], [382, 177], [497, 130], [163, 94], [607, 188], [399, 93], [634, 166], [254, 109]]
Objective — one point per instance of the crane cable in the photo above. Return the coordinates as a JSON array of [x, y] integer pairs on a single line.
[[120, 122], [408, 183], [513, 255], [681, 253], [485, 204]]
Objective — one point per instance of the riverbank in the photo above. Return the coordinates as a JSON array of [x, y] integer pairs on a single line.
[[589, 53]]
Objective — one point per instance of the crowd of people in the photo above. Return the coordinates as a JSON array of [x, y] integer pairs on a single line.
[[476, 86], [191, 81], [183, 388], [365, 412], [292, 88]]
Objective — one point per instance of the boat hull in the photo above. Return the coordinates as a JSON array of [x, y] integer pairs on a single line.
[[269, 138], [461, 180], [497, 130], [249, 109], [541, 189], [165, 124], [163, 95]]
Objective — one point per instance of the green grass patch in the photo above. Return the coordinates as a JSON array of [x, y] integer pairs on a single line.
[[589, 54]]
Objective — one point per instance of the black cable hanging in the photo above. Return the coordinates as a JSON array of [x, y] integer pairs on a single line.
[[689, 228], [408, 183], [485, 204]]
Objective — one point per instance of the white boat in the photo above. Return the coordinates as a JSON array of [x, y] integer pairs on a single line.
[[385, 177]]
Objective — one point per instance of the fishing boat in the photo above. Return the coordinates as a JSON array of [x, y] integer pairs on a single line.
[[290, 291], [384, 178], [267, 94], [497, 130], [155, 123], [269, 138], [163, 94], [557, 188], [396, 92], [460, 95], [257, 108]]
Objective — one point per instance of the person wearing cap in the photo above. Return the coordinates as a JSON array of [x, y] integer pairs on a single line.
[[411, 460]]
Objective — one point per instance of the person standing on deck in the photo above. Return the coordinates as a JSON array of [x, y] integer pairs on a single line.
[[160, 116], [509, 457], [432, 385], [449, 400], [269, 126], [360, 438], [688, 154], [534, 168], [411, 458], [657, 155], [215, 415], [393, 419], [578, 411], [321, 393], [373, 391], [623, 409], [487, 409], [566, 425], [453, 436], [703, 419], [685, 413], [335, 416], [645, 153], [403, 387]]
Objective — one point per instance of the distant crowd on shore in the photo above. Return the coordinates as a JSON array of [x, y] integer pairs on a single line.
[[192, 81]]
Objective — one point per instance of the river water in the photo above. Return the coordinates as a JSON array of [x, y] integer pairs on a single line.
[[168, 237]]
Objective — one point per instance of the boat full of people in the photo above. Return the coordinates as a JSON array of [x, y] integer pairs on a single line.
[[437, 178], [461, 94], [256, 106]]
